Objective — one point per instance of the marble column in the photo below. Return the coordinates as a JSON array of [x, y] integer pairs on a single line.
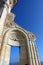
[[29, 52], [23, 56], [7, 55], [35, 54], [32, 53]]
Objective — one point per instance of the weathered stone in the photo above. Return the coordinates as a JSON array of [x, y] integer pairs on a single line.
[[13, 35]]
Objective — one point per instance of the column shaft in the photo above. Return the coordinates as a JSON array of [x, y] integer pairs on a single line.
[[35, 54], [32, 53], [6, 59], [29, 54]]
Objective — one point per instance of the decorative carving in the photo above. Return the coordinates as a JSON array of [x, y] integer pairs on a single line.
[[13, 3], [9, 19], [16, 36]]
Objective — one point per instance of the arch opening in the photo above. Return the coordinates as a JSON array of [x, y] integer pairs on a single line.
[[15, 56], [19, 41]]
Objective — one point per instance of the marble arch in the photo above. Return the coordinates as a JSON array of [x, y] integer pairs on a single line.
[[9, 44]]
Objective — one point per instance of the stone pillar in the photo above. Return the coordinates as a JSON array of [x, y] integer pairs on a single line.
[[3, 17], [5, 55], [2, 20], [29, 52], [34, 60], [2, 54], [35, 54], [23, 56], [23, 53], [32, 53]]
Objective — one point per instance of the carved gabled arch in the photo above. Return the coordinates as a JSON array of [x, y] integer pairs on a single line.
[[24, 35], [31, 52]]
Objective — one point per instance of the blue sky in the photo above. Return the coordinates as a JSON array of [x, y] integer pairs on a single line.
[[29, 15], [15, 56]]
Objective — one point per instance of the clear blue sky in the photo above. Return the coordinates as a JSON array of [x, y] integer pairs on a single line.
[[29, 15]]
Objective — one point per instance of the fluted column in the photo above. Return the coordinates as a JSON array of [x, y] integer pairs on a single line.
[[32, 53], [29, 53], [35, 54]]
